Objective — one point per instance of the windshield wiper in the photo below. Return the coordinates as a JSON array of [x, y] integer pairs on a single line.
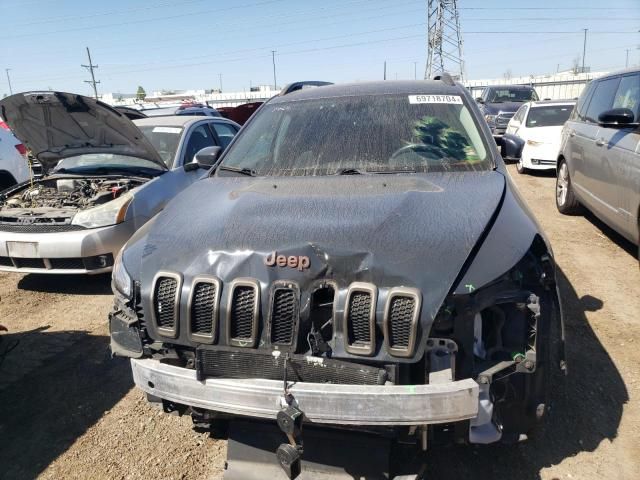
[[244, 171], [348, 171], [390, 171]]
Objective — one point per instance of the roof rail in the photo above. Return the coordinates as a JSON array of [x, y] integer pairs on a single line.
[[295, 86], [446, 78]]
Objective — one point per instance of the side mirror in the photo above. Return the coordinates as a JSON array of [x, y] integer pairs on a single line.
[[617, 117], [511, 147], [207, 157], [479, 100]]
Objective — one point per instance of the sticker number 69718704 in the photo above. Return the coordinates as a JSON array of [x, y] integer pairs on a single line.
[[455, 99]]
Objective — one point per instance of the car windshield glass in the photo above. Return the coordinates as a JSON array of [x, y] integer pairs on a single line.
[[549, 116], [361, 134], [164, 139], [107, 163], [512, 95]]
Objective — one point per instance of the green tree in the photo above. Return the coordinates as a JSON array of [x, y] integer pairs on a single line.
[[141, 94]]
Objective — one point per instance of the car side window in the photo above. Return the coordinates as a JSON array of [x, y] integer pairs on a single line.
[[199, 138], [519, 115], [628, 94], [602, 99], [225, 133]]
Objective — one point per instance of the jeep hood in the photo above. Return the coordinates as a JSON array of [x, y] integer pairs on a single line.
[[507, 107], [56, 125], [389, 230]]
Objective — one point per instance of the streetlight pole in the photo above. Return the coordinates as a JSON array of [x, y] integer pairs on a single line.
[[415, 70], [584, 47], [220, 75], [273, 60], [6, 70]]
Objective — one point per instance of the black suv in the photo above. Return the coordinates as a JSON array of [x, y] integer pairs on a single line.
[[500, 102], [358, 261]]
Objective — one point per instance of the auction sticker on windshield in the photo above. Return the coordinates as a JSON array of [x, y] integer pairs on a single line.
[[454, 99], [167, 129]]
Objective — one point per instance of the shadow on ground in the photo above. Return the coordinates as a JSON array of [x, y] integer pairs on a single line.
[[72, 284], [586, 409], [67, 385]]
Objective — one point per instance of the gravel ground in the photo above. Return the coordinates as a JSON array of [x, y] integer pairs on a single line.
[[69, 410]]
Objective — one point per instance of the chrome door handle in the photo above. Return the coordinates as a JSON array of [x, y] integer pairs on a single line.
[[600, 142]]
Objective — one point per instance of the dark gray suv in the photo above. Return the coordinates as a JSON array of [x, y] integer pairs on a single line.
[[599, 160]]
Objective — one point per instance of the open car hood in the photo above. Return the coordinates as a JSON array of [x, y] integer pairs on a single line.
[[57, 125]]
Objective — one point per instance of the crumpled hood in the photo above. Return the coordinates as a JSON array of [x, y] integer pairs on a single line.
[[495, 108], [57, 125], [389, 230]]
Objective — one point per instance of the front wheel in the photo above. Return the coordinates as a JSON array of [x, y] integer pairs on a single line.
[[566, 200], [520, 168]]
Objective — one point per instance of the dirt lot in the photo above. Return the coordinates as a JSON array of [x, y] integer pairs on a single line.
[[69, 411]]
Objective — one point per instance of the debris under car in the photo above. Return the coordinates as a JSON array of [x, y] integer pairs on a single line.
[[368, 277]]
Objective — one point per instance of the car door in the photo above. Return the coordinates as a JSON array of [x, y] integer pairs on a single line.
[[589, 180], [620, 187], [199, 136], [573, 143]]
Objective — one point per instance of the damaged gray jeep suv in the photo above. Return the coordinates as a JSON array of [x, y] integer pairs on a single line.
[[357, 263]]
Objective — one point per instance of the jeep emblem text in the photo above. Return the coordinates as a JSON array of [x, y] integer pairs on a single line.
[[274, 260]]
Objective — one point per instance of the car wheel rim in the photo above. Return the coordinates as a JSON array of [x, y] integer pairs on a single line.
[[562, 184]]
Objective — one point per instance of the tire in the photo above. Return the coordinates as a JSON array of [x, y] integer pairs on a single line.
[[566, 200], [520, 168]]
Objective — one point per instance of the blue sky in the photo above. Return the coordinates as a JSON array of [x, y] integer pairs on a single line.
[[187, 44]]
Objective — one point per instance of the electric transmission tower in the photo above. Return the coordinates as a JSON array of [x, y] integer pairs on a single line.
[[444, 39]]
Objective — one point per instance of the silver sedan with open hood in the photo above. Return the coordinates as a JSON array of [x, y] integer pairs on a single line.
[[107, 176]]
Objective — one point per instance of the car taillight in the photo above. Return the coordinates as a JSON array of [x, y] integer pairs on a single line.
[[4, 125], [21, 149]]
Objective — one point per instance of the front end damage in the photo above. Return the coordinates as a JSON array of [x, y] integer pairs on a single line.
[[482, 377]]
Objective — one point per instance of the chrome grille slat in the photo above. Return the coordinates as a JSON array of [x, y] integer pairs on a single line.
[[165, 302], [360, 318], [243, 313], [284, 316]]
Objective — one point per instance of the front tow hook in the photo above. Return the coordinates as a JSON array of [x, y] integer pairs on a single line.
[[289, 454]]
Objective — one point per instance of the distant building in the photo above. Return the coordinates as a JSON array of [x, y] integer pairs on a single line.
[[214, 98]]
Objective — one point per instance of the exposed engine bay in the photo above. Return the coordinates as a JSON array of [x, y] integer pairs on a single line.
[[59, 199]]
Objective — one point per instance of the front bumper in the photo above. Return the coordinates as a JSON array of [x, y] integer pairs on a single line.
[[321, 403], [70, 252]]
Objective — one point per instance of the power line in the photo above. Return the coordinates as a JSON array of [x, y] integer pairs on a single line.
[[93, 81]]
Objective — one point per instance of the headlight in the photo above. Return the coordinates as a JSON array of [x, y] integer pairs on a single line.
[[490, 118], [120, 277], [110, 213], [534, 143]]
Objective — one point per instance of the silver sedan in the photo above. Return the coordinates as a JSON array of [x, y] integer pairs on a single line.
[[107, 177]]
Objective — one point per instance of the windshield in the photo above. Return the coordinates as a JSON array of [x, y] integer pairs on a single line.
[[164, 139], [501, 95], [106, 163], [360, 134], [549, 116]]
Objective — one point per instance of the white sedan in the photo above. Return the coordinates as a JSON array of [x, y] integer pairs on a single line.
[[539, 125]]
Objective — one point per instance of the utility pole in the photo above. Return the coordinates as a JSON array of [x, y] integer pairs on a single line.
[[6, 70], [384, 75], [273, 60], [93, 81], [444, 39], [220, 75], [415, 70], [626, 62], [584, 47]]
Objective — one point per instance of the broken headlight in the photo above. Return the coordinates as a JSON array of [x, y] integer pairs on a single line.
[[110, 213], [120, 278]]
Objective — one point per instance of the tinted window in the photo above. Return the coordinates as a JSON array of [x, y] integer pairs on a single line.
[[583, 102], [225, 133], [199, 138], [499, 95], [602, 98], [370, 133], [164, 139], [549, 116], [628, 94]]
